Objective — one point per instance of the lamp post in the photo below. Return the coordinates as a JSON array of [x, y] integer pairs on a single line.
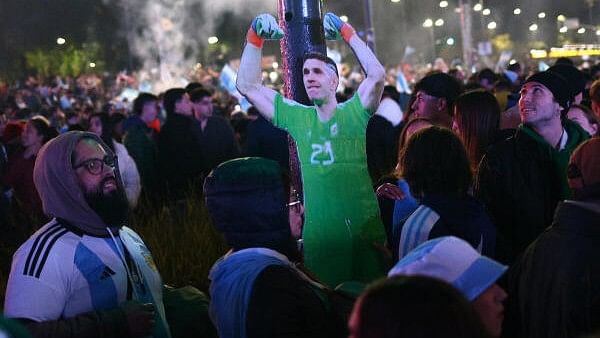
[[466, 24], [428, 24], [302, 23], [369, 30]]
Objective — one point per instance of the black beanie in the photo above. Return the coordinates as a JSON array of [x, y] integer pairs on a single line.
[[247, 202], [574, 77], [440, 85], [555, 83]]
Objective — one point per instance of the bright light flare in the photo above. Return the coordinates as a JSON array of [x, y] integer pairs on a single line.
[[439, 22], [427, 23], [477, 7], [60, 41], [443, 4], [212, 40], [492, 25], [533, 27], [486, 12], [541, 15], [517, 11]]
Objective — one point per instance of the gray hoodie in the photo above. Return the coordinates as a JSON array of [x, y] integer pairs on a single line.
[[57, 184]]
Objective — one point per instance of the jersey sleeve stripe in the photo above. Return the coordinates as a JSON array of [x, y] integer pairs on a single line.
[[47, 252], [35, 245], [40, 249]]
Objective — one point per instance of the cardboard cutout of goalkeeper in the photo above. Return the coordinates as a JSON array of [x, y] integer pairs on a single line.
[[342, 226]]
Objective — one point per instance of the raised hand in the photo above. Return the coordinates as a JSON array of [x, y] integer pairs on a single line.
[[335, 28], [263, 27]]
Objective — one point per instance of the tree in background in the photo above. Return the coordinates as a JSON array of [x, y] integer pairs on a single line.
[[70, 61]]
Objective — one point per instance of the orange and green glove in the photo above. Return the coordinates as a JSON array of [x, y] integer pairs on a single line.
[[263, 27]]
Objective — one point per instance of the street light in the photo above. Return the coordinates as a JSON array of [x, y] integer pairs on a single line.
[[212, 40], [492, 25], [561, 18], [541, 15], [598, 32], [439, 22], [92, 65], [428, 23], [443, 4], [581, 30], [533, 27], [563, 29], [486, 11], [395, 1], [517, 11], [60, 41], [477, 7], [450, 41], [344, 18]]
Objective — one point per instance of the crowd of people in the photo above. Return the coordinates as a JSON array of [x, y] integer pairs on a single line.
[[448, 207]]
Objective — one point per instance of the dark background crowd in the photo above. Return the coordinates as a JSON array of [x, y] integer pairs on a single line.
[[455, 144]]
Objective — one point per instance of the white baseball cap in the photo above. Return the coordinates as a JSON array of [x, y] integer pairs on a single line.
[[453, 260]]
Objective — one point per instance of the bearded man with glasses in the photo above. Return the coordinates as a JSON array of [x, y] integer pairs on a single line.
[[85, 273]]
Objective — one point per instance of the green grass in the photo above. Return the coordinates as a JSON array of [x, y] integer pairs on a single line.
[[182, 240]]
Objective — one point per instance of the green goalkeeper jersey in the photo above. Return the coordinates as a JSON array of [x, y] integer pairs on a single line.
[[342, 228]]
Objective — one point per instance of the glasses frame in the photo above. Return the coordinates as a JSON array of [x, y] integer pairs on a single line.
[[107, 160]]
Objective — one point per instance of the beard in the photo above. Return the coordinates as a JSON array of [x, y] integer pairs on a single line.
[[112, 207]]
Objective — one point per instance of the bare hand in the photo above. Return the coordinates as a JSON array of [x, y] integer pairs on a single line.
[[389, 191], [140, 318]]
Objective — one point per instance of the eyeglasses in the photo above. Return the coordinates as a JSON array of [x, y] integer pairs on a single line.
[[95, 166]]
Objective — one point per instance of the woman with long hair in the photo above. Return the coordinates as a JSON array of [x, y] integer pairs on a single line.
[[436, 167], [394, 197], [100, 125], [476, 121]]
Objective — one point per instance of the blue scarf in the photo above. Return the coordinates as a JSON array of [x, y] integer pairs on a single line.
[[232, 280]]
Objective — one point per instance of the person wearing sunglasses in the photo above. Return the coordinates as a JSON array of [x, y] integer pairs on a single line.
[[84, 273]]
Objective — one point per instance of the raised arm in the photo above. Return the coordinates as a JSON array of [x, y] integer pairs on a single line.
[[371, 88], [249, 79]]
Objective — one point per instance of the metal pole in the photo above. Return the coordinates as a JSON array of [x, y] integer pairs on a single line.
[[302, 23], [433, 49], [369, 30], [466, 25]]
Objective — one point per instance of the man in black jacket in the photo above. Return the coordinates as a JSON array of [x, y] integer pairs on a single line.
[[554, 289], [521, 179], [179, 150], [214, 133]]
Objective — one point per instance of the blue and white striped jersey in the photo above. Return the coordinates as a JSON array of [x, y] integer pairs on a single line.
[[59, 274]]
